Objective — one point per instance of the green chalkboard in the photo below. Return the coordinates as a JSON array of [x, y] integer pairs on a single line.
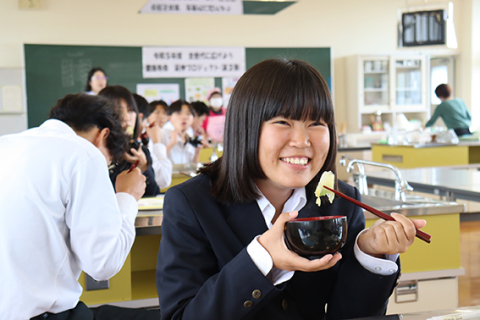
[[52, 71]]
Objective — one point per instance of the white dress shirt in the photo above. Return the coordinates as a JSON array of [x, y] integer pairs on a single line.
[[181, 152], [59, 215], [162, 166], [297, 201]]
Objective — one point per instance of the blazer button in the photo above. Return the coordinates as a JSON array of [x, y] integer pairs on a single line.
[[256, 294], [248, 304], [284, 304]]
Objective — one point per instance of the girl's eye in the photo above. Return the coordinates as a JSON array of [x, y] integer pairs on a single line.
[[319, 123], [281, 122]]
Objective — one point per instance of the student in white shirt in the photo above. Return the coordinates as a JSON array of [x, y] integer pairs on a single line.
[[176, 138], [59, 214], [150, 135], [201, 113]]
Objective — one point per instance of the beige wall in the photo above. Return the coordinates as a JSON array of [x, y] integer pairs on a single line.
[[348, 26]]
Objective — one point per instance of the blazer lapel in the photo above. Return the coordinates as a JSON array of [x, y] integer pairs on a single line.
[[246, 221]]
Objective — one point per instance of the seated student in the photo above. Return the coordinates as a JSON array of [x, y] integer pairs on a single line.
[[223, 254], [151, 138], [176, 138], [215, 121], [201, 113], [125, 104], [454, 112], [59, 213], [96, 81], [158, 113]]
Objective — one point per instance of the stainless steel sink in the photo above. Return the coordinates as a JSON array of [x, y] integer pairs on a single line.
[[412, 206]]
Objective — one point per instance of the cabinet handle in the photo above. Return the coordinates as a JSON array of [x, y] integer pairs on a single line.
[[406, 291]]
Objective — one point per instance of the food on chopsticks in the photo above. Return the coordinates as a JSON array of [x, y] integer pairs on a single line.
[[130, 131], [327, 179]]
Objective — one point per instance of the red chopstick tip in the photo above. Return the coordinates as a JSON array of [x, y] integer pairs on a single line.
[[133, 166]]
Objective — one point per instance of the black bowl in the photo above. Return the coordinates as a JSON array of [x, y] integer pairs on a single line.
[[315, 237]]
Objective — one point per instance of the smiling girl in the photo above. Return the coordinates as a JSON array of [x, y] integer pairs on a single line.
[[223, 254]]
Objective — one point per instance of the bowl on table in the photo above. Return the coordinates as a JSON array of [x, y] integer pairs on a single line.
[[315, 237]]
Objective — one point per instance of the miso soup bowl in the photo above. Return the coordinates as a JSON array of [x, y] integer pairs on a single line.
[[315, 237]]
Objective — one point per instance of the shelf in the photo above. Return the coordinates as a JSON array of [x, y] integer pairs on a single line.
[[375, 89], [378, 83], [376, 108], [408, 89], [410, 109], [376, 72]]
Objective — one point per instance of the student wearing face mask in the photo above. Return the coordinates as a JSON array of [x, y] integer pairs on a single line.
[[215, 120]]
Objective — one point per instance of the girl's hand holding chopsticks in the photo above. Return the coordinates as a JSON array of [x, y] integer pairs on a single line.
[[390, 237]]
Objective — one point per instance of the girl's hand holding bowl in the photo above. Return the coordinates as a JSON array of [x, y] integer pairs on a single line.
[[285, 259]]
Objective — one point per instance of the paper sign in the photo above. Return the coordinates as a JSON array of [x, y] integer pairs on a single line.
[[184, 62], [12, 99], [225, 7], [196, 88], [168, 92], [228, 84], [215, 127]]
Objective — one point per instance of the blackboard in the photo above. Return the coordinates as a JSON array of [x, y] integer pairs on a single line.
[[52, 71]]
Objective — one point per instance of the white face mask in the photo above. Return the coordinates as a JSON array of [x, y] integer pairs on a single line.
[[216, 102]]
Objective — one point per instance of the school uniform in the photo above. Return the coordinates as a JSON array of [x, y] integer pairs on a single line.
[[205, 269]]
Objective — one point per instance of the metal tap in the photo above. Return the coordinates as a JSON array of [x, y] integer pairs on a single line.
[[361, 179], [214, 156], [401, 185]]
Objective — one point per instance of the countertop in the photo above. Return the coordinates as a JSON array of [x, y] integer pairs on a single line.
[[149, 222], [467, 312], [358, 147], [432, 144], [461, 182]]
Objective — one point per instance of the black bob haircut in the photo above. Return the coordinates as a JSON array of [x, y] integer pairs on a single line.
[[176, 106], [277, 87], [90, 75], [200, 108], [142, 105], [83, 112], [153, 105], [118, 93]]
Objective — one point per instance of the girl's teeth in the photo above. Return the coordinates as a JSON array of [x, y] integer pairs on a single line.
[[298, 161]]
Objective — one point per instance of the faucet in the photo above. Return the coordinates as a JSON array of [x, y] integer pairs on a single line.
[[361, 179], [214, 156], [400, 184]]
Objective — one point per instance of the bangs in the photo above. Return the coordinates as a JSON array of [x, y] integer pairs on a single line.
[[299, 94]]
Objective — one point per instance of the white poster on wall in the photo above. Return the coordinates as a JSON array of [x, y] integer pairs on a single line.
[[184, 62], [227, 7], [227, 85], [168, 92], [196, 89]]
